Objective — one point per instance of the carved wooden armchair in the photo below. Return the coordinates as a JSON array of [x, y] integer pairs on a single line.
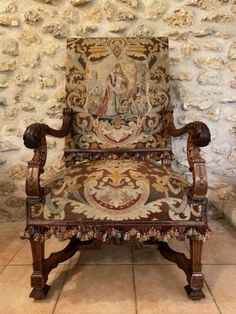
[[118, 184]]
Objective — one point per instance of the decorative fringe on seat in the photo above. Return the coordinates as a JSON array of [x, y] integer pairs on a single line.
[[152, 235]]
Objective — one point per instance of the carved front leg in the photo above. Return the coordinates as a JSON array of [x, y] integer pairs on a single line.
[[42, 266], [195, 277], [39, 276], [192, 267]]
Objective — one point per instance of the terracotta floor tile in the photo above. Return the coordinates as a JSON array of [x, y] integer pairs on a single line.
[[106, 288], [1, 268], [9, 248], [11, 229], [218, 249], [100, 289], [15, 289], [222, 283], [160, 289], [108, 254], [24, 256], [150, 254], [222, 225]]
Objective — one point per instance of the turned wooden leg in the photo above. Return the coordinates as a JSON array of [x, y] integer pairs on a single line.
[[39, 276], [195, 277]]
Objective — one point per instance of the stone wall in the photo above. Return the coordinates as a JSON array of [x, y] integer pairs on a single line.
[[32, 74]]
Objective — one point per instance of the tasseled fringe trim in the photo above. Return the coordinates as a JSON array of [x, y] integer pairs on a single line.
[[153, 234]]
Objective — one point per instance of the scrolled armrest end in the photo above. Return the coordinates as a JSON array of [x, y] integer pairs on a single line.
[[200, 133], [33, 135]]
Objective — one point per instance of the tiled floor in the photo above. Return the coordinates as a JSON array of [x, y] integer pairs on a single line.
[[117, 279]]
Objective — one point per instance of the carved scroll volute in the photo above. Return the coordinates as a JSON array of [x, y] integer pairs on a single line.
[[40, 154], [35, 168], [35, 138], [197, 167], [198, 136], [193, 153], [199, 181], [32, 181]]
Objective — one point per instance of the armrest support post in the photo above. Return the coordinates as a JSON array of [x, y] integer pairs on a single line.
[[35, 138], [198, 136]]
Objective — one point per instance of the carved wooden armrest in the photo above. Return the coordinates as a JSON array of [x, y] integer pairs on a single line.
[[35, 138], [198, 136]]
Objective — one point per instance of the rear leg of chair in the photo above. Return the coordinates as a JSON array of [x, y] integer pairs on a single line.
[[39, 276], [195, 277]]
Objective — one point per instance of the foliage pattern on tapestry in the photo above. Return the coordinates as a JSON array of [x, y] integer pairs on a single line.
[[117, 190]]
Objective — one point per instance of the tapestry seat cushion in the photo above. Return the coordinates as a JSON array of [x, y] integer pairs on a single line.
[[116, 190]]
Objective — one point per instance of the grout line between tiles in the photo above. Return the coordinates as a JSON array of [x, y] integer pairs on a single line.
[[219, 264], [4, 267], [13, 257], [134, 285], [208, 287], [61, 287]]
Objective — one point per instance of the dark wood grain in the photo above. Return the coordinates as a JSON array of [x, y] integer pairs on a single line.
[[198, 136], [192, 267]]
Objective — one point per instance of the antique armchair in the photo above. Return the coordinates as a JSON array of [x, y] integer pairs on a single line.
[[117, 184]]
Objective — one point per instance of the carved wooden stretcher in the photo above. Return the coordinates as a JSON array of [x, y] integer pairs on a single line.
[[118, 184]]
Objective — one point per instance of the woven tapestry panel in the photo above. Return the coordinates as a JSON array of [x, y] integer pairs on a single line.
[[118, 88]]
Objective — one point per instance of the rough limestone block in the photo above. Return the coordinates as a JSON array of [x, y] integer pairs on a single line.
[[79, 2], [57, 30], [125, 16], [182, 76], [117, 28], [180, 18], [132, 3], [10, 46], [7, 145], [8, 7], [30, 36], [32, 17], [232, 51], [7, 187], [9, 20], [85, 30], [188, 48], [46, 80], [233, 83], [210, 62], [93, 14], [210, 78], [218, 17], [203, 4], [7, 65], [156, 9]]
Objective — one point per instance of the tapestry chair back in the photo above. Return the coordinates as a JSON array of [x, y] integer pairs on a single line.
[[118, 89]]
